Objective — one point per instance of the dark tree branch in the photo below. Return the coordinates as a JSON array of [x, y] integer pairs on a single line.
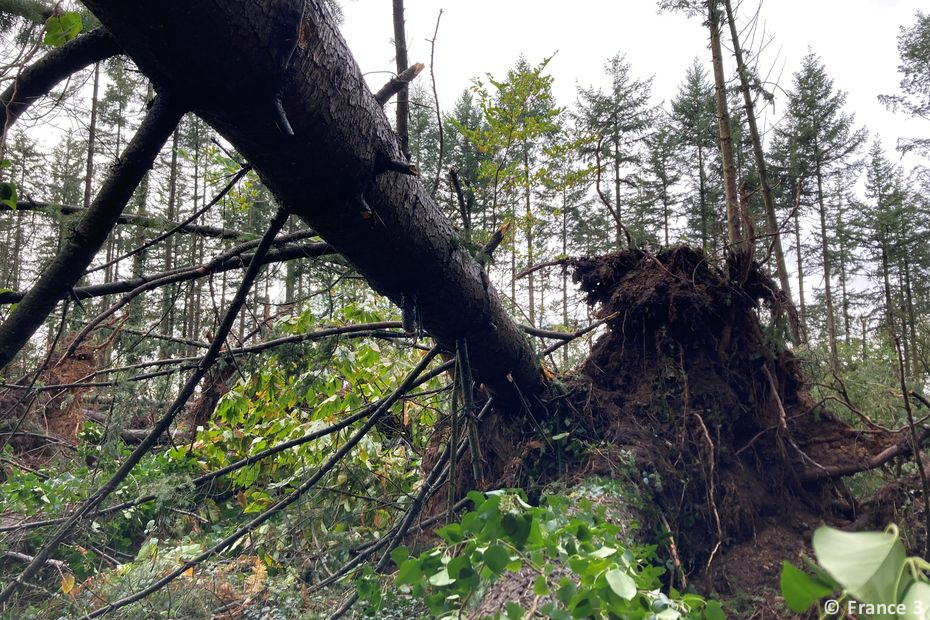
[[165, 421], [313, 249], [215, 232], [233, 259], [39, 78], [403, 100], [399, 83], [432, 77], [86, 239]]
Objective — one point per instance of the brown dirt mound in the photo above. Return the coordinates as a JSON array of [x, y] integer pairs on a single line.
[[688, 381]]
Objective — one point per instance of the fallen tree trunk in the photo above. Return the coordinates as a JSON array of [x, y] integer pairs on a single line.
[[277, 80]]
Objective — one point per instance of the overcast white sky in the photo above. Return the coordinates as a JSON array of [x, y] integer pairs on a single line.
[[856, 39]]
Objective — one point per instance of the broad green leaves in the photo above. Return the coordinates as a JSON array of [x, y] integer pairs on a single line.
[[59, 29], [503, 534], [802, 590], [870, 571], [868, 564]]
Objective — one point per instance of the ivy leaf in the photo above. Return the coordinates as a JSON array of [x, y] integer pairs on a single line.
[[410, 572], [916, 601], [59, 29], [400, 555], [496, 558], [713, 611], [867, 564], [621, 583], [800, 589]]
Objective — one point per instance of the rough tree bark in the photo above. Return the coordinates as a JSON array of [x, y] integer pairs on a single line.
[[232, 63]]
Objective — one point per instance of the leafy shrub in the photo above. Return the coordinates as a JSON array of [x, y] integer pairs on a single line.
[[865, 573], [582, 567]]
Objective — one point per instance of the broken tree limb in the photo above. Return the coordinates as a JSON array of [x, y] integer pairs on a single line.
[[87, 237], [41, 77], [304, 251], [385, 225], [299, 492], [143, 221], [398, 83], [163, 423], [228, 262]]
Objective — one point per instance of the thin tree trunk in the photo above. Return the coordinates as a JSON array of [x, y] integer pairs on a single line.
[[802, 306], [911, 314], [726, 139], [702, 201], [167, 326], [529, 235], [91, 139], [827, 286], [767, 197], [403, 97], [843, 274], [616, 166], [564, 271]]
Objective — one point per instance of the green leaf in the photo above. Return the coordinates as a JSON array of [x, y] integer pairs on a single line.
[[514, 611], [400, 555], [8, 194], [496, 558], [540, 587], [441, 578], [867, 564], [516, 527], [59, 29], [460, 567], [621, 583], [409, 572], [916, 601], [714, 611], [800, 589], [451, 533]]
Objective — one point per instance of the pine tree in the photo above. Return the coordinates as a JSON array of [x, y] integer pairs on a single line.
[[825, 142], [619, 119], [914, 100], [694, 117], [662, 172]]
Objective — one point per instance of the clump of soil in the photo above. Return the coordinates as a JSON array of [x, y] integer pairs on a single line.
[[46, 423], [687, 380]]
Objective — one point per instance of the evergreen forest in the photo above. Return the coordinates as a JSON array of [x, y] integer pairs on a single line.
[[287, 337]]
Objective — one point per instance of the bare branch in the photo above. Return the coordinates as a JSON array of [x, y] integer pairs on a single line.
[[86, 239], [39, 78], [397, 84]]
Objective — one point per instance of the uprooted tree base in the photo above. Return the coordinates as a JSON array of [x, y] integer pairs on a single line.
[[737, 458]]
